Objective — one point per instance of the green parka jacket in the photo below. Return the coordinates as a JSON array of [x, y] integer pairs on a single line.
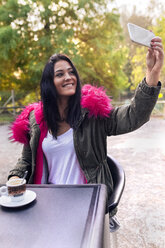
[[90, 137]]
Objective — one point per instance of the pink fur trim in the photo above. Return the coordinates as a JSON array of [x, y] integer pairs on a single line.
[[39, 157], [96, 101], [20, 127], [39, 113]]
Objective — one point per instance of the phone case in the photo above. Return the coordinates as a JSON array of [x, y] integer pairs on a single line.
[[140, 35]]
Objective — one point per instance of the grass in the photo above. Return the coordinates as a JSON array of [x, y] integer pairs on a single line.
[[6, 118]]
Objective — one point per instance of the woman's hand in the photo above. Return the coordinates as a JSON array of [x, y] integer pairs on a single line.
[[154, 60]]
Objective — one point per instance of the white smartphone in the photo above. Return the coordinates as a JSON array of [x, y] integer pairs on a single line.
[[140, 35]]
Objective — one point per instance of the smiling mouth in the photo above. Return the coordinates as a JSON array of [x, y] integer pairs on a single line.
[[68, 85]]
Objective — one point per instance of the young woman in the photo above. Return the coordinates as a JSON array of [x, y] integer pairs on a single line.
[[64, 135]]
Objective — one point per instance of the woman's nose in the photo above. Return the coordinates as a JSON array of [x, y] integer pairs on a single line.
[[67, 76]]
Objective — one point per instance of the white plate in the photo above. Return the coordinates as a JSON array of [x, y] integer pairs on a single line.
[[30, 196]]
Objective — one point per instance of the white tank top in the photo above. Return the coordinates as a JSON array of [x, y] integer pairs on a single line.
[[63, 165]]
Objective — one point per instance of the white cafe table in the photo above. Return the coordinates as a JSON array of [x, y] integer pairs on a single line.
[[61, 216]]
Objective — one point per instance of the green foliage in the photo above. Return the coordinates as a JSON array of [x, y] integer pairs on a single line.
[[139, 66], [30, 98], [31, 31], [6, 118]]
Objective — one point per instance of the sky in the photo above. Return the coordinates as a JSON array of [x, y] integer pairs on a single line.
[[141, 5]]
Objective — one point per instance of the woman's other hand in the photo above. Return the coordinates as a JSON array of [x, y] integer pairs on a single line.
[[154, 60]]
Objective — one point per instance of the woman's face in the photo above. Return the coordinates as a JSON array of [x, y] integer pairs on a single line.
[[65, 80]]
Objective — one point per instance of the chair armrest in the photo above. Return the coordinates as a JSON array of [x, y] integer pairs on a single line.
[[118, 177], [115, 199]]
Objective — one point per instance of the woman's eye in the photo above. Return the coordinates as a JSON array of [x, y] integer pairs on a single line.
[[72, 72], [59, 75]]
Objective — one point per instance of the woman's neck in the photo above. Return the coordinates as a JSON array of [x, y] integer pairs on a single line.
[[62, 107]]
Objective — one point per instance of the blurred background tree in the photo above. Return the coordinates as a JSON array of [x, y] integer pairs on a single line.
[[94, 36], [31, 31]]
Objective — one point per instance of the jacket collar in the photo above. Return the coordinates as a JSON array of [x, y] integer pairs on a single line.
[[95, 100]]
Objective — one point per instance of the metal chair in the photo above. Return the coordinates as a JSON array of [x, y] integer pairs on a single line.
[[118, 177]]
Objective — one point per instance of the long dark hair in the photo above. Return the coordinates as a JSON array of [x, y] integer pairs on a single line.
[[49, 96]]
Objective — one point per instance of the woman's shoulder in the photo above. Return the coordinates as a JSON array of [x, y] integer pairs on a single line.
[[20, 127], [96, 101]]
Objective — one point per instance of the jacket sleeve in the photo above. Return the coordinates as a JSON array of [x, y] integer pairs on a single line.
[[24, 163], [128, 118]]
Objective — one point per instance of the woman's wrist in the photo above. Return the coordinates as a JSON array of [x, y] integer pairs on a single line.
[[152, 78]]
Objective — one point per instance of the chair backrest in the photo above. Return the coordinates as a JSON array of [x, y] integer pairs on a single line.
[[118, 177]]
